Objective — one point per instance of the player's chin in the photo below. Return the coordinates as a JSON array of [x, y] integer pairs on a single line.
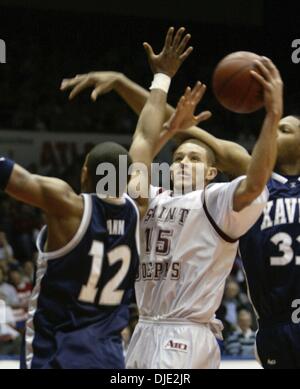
[[182, 179]]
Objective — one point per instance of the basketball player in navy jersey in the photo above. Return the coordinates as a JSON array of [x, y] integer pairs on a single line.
[[271, 257], [271, 249], [89, 250]]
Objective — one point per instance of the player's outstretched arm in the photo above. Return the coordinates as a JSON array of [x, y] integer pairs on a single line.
[[231, 158], [52, 195], [265, 151], [164, 66]]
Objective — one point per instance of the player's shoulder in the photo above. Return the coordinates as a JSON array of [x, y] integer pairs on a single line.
[[130, 203], [222, 187], [155, 191]]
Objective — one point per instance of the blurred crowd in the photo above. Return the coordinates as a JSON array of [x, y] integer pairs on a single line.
[[237, 316], [18, 230]]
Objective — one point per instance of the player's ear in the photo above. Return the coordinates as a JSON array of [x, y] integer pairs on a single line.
[[84, 176], [212, 173]]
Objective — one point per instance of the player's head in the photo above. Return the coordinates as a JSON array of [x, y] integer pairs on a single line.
[[288, 140], [100, 156], [193, 166]]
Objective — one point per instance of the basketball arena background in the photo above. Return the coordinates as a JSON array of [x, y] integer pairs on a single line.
[[47, 41]]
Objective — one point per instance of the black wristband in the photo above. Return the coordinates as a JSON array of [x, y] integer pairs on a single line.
[[6, 168]]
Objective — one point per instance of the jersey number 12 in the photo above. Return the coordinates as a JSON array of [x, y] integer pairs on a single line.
[[110, 294]]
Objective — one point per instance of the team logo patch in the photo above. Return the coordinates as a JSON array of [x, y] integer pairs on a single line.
[[176, 345]]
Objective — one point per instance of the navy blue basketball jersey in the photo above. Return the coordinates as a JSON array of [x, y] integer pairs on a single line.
[[80, 302], [271, 253]]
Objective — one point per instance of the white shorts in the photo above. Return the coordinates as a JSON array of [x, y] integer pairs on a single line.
[[172, 345]]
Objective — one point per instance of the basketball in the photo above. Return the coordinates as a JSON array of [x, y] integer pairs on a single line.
[[234, 86]]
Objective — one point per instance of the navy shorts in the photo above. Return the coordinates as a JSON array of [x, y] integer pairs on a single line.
[[70, 351], [278, 345]]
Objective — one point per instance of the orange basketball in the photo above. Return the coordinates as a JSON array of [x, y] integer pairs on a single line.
[[234, 86]]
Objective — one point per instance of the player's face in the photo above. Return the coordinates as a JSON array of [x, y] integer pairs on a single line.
[[288, 140], [190, 169]]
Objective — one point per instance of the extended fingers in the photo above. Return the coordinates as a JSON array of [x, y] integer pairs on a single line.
[[259, 78], [187, 52], [182, 45], [79, 88], [261, 68], [187, 93], [198, 91], [97, 91], [203, 116], [181, 102], [148, 49], [272, 68], [70, 82], [169, 37], [178, 37]]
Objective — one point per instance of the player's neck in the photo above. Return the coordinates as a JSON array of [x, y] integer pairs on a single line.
[[289, 169], [106, 198], [114, 200]]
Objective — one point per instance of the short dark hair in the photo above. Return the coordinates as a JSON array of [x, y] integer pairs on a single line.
[[211, 157], [107, 152], [297, 116]]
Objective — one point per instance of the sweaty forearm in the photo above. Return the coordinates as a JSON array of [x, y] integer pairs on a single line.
[[152, 117], [132, 93], [264, 154]]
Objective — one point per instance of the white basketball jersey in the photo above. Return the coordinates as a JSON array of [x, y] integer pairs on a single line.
[[184, 262]]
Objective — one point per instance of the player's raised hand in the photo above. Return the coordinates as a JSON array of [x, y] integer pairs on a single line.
[[184, 117], [101, 82], [172, 55], [269, 77]]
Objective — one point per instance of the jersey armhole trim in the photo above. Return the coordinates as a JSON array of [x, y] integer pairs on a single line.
[[218, 230], [279, 178], [85, 221], [137, 229]]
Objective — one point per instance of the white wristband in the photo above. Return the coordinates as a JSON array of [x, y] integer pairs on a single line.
[[161, 81]]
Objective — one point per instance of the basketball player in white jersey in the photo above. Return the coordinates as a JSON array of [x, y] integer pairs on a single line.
[[189, 242]]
